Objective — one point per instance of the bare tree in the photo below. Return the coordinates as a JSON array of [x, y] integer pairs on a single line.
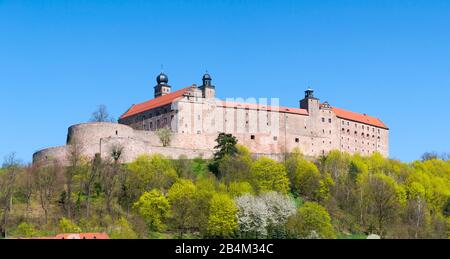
[[7, 182], [101, 115], [74, 157], [108, 182], [46, 180], [430, 156], [26, 186], [96, 167]]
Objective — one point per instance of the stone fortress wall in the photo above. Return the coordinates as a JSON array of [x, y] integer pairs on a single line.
[[93, 138]]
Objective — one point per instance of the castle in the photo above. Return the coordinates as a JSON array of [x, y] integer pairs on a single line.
[[195, 117]]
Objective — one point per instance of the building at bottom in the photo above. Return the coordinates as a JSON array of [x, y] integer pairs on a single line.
[[195, 117]]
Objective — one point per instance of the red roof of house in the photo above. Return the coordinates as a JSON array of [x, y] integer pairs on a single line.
[[262, 107], [357, 117], [154, 103], [75, 236], [83, 236]]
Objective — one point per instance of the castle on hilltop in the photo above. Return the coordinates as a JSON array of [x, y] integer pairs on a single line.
[[195, 117]]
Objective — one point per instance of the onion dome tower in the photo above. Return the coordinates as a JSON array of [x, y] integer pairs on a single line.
[[162, 88]]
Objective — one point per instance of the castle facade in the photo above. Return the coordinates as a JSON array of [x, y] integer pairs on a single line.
[[195, 117]]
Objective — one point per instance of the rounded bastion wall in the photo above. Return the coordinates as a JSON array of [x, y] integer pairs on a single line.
[[49, 155], [86, 134], [93, 138]]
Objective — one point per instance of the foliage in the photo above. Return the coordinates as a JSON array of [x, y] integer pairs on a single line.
[[122, 230], [182, 199], [226, 146], [304, 177], [311, 218], [26, 230], [68, 226], [236, 167], [165, 136], [153, 207], [270, 176], [222, 220], [149, 172], [236, 189], [156, 197]]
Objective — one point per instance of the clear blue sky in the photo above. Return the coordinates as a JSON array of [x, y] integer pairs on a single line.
[[60, 59]]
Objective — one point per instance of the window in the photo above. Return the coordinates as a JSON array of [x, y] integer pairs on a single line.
[[329, 120], [117, 132], [275, 138], [151, 125], [252, 137], [323, 119], [297, 140]]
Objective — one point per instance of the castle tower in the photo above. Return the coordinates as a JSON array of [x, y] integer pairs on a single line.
[[162, 88], [310, 103], [208, 90]]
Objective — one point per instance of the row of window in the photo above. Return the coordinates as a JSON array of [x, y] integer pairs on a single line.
[[363, 127], [329, 120], [362, 133]]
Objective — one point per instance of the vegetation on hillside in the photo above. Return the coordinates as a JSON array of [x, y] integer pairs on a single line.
[[231, 196]]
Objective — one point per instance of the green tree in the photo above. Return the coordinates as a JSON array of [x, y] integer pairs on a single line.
[[68, 226], [226, 146], [311, 218], [149, 172], [153, 207], [222, 217], [182, 199], [26, 229], [270, 176], [165, 136], [381, 201], [236, 189], [304, 176], [236, 167], [122, 230]]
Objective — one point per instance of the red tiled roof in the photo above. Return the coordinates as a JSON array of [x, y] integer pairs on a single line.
[[262, 107], [157, 102], [170, 98], [83, 236], [357, 117], [75, 236]]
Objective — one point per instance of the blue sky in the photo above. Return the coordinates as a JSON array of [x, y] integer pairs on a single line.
[[60, 59]]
